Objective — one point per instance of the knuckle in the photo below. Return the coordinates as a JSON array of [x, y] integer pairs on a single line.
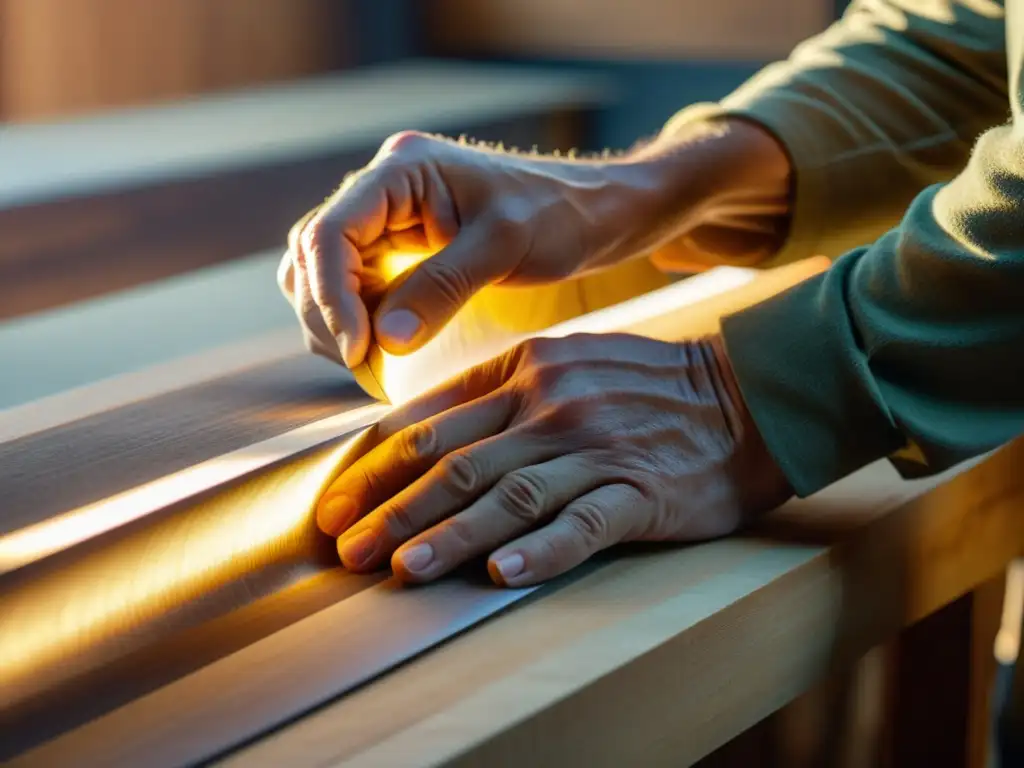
[[588, 521], [403, 141], [451, 283], [365, 484], [418, 442], [537, 361], [565, 420], [541, 350], [399, 522], [552, 381], [522, 496], [315, 234], [459, 473], [549, 376], [462, 533], [295, 233]]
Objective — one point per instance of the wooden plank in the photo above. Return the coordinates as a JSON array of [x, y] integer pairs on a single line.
[[662, 656], [150, 527], [645, 651], [127, 331], [150, 193], [118, 449], [642, 29], [61, 59], [110, 450]]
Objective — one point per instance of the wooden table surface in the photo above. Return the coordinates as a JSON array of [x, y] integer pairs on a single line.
[[649, 656]]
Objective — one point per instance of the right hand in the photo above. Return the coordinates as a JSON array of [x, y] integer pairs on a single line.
[[489, 217]]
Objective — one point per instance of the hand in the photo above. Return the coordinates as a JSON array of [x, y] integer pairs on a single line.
[[492, 216], [550, 453]]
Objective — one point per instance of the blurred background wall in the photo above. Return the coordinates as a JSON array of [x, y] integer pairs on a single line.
[[115, 203], [61, 58]]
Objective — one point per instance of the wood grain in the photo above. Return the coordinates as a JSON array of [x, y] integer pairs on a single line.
[[107, 452], [50, 597], [651, 656], [121, 448], [96, 397], [662, 656], [635, 663]]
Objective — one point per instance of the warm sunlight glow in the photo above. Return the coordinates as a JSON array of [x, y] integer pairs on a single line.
[[498, 318], [396, 263], [91, 603], [255, 520], [37, 541]]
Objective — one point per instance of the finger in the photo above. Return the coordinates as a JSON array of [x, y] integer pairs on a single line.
[[286, 276], [382, 198], [355, 217], [400, 459], [519, 501], [335, 510], [420, 305], [317, 337], [440, 216], [332, 265], [589, 524], [294, 283], [450, 486], [473, 383]]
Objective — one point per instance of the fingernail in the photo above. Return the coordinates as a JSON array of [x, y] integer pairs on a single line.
[[357, 551], [510, 566], [399, 325], [335, 514], [417, 557], [344, 346]]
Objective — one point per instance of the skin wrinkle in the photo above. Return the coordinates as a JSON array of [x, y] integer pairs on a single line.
[[628, 433]]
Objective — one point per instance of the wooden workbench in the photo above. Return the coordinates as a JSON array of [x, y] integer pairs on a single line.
[[650, 656], [660, 657]]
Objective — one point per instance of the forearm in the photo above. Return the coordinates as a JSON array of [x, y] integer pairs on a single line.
[[886, 102], [910, 347], [717, 192]]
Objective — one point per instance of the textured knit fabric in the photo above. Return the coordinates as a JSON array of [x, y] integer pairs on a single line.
[[904, 125]]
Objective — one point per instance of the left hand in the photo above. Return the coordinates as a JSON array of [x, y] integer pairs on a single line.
[[550, 453]]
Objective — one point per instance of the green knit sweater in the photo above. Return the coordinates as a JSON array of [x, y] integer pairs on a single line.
[[904, 125]]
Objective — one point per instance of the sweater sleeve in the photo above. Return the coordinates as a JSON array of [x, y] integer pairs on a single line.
[[912, 347], [887, 101]]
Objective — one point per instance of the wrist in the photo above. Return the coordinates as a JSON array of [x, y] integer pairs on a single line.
[[761, 484], [717, 171]]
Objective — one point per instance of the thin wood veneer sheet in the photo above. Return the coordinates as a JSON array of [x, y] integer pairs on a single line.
[[87, 611], [87, 606]]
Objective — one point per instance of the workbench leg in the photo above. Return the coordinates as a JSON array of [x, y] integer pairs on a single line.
[[835, 724], [1010, 722], [941, 684]]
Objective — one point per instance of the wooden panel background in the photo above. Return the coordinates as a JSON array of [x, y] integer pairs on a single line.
[[726, 29], [60, 58]]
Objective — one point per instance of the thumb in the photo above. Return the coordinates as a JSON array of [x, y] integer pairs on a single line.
[[419, 305]]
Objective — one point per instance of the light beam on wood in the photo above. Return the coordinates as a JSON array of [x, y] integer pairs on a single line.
[[157, 548]]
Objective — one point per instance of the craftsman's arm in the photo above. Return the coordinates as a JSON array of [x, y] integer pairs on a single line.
[[915, 343], [887, 101]]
